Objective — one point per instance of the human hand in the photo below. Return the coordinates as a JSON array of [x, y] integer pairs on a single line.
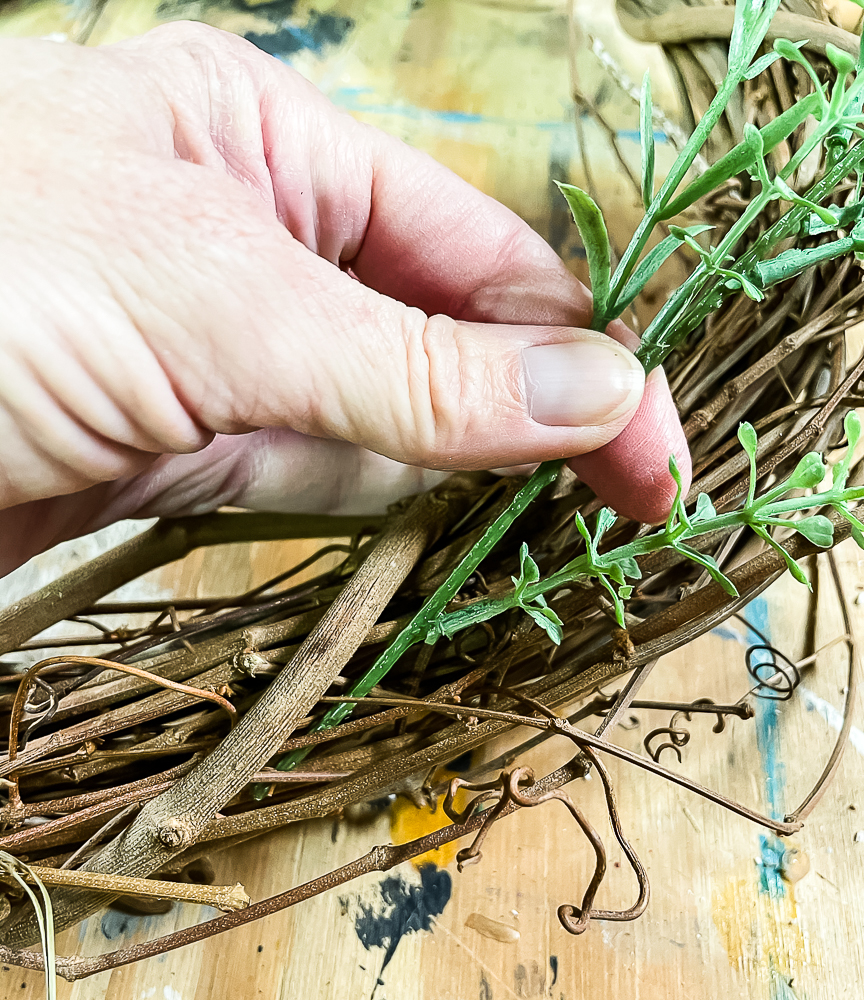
[[219, 289]]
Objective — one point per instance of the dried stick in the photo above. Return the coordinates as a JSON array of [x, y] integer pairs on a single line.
[[690, 24], [171, 823], [166, 541], [227, 898]]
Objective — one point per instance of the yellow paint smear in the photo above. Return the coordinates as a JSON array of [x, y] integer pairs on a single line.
[[407, 823], [759, 930]]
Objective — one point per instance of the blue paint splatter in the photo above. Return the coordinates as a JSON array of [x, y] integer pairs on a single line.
[[767, 740], [319, 31], [362, 99], [404, 908]]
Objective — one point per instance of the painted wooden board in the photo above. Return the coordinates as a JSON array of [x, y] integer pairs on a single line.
[[484, 87], [722, 920]]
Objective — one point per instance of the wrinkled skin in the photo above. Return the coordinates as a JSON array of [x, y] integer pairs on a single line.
[[216, 288]]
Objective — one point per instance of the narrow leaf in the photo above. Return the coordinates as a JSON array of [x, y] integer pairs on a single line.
[[752, 18], [749, 442], [857, 526], [765, 61], [592, 229], [582, 528], [741, 156], [790, 263], [709, 563], [651, 264], [646, 135], [852, 426], [791, 565], [616, 600]]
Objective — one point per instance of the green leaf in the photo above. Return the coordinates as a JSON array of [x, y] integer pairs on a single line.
[[582, 528], [790, 263], [847, 217], [749, 442], [592, 229], [852, 427], [625, 592], [791, 565], [646, 135], [749, 288], [606, 518], [710, 564], [857, 526], [630, 567], [752, 18], [741, 156], [678, 510], [616, 600], [790, 52], [765, 61], [548, 621], [529, 572], [528, 569], [651, 264], [704, 508], [840, 60], [816, 529], [784, 191], [808, 474], [748, 439]]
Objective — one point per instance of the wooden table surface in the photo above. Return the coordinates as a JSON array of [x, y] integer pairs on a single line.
[[485, 88]]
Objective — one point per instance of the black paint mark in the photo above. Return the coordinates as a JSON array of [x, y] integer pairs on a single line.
[[553, 965], [115, 924], [404, 909], [485, 989], [319, 31], [520, 981], [462, 763], [275, 11]]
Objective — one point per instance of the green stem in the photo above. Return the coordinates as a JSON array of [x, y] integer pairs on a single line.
[[684, 311], [423, 627], [754, 516]]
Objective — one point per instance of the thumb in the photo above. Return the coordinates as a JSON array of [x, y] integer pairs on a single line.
[[426, 391]]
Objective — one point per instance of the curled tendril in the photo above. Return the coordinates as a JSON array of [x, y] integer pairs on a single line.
[[776, 678]]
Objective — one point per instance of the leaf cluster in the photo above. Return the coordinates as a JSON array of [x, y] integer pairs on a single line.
[[837, 113]]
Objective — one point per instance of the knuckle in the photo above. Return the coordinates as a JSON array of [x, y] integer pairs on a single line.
[[455, 393]]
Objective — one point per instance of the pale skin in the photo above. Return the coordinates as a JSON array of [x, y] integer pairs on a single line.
[[216, 288]]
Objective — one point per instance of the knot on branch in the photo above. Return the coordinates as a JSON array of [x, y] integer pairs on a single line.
[[249, 662], [176, 832]]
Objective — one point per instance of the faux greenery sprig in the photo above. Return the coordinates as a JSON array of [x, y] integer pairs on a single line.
[[612, 569], [837, 111], [760, 514]]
